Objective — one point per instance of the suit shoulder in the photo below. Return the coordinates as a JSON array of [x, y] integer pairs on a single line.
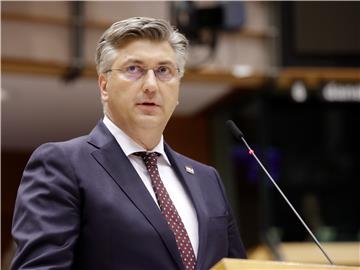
[[67, 147]]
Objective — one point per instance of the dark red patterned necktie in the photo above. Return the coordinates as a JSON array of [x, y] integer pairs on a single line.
[[168, 210]]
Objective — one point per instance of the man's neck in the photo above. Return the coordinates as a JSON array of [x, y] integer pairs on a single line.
[[148, 138]]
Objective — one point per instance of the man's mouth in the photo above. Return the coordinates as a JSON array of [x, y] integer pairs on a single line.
[[147, 104], [148, 107]]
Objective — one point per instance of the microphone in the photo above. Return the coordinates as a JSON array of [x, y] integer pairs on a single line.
[[240, 136]]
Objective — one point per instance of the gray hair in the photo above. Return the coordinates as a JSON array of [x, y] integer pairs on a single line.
[[139, 28]]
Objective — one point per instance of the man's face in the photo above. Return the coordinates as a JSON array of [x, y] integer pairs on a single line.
[[146, 102]]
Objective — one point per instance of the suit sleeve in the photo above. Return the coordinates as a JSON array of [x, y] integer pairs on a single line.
[[236, 247], [47, 212]]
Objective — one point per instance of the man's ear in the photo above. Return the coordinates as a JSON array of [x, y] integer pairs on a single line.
[[102, 80]]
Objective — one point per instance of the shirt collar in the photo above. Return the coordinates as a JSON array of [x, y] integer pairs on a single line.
[[128, 145]]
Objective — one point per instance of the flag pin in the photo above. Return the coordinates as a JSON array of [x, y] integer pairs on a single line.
[[189, 169]]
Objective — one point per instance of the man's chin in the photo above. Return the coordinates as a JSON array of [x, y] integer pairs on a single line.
[[150, 121]]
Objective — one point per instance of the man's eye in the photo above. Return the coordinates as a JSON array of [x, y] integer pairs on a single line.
[[134, 69], [164, 70]]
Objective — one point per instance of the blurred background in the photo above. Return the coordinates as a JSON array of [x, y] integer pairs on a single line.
[[286, 72]]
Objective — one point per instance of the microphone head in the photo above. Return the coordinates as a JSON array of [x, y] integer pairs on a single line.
[[234, 129]]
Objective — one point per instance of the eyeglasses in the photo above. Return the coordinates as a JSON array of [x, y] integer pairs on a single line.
[[135, 72]]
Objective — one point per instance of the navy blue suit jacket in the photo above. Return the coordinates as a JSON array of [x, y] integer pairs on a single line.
[[81, 205]]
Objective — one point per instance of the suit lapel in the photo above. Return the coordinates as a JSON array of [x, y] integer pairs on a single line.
[[110, 156], [190, 181]]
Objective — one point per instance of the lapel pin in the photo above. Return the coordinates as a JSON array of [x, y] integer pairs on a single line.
[[189, 169]]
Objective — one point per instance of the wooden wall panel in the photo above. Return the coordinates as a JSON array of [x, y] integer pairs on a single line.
[[190, 136]]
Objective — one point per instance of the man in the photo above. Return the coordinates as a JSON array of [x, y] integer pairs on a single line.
[[121, 198]]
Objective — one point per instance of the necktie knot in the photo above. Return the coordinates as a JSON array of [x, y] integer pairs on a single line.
[[149, 158]]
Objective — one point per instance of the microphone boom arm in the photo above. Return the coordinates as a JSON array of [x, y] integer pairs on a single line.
[[251, 152], [239, 135]]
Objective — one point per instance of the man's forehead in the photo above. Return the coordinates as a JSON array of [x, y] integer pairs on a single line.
[[143, 50]]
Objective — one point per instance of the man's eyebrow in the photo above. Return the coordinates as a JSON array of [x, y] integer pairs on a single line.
[[140, 62], [167, 62], [133, 61]]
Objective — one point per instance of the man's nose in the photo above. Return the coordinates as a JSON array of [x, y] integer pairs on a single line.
[[150, 82]]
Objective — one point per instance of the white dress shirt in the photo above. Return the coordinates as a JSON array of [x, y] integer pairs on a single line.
[[171, 182]]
